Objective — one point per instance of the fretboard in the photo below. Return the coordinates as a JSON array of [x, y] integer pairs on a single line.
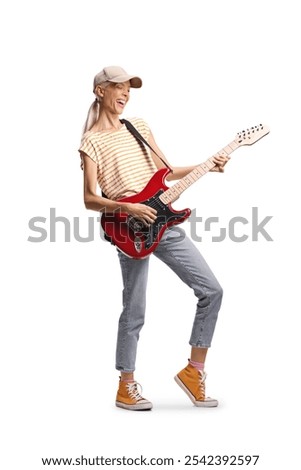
[[173, 193]]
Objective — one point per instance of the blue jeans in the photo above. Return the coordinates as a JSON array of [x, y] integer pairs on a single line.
[[180, 254]]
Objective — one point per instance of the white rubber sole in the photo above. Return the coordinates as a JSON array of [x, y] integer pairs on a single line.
[[207, 403], [138, 407]]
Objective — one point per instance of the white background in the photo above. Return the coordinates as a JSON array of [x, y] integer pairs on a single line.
[[209, 70]]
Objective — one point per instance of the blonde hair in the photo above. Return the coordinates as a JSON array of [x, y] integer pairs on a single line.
[[94, 110]]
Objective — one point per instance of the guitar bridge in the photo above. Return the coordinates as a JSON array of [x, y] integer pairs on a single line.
[[138, 244]]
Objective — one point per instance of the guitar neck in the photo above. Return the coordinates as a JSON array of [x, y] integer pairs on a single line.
[[174, 192]]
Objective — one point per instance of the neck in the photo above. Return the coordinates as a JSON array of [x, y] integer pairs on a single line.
[[177, 189], [107, 121]]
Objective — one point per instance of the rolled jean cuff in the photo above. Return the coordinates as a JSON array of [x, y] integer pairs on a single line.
[[126, 371], [201, 346]]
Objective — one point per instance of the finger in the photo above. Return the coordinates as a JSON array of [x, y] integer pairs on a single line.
[[144, 220], [153, 211], [146, 224], [152, 218], [149, 219], [222, 158], [148, 210]]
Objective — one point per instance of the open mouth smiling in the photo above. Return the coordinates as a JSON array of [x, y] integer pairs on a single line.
[[121, 102]]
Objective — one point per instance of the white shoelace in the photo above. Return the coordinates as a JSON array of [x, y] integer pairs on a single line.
[[133, 391]]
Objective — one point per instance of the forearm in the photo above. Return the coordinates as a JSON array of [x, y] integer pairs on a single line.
[[182, 171], [179, 172], [102, 204]]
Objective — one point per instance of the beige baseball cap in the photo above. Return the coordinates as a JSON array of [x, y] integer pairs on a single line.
[[116, 74]]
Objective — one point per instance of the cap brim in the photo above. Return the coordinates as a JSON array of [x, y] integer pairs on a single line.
[[135, 82]]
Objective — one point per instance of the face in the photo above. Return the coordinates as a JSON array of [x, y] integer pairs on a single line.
[[114, 96]]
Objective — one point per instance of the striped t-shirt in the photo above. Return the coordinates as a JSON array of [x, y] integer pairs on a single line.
[[124, 166]]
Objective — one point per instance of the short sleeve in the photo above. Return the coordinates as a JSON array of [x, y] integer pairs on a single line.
[[88, 148]]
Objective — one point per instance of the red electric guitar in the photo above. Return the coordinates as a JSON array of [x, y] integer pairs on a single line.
[[137, 240]]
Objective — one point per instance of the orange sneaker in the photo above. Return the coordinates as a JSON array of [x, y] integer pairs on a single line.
[[192, 381], [129, 397]]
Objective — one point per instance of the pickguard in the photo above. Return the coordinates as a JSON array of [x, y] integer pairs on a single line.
[[147, 235]]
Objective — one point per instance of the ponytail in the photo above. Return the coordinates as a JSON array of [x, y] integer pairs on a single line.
[[92, 117], [93, 113]]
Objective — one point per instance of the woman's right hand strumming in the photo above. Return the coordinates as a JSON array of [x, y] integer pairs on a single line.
[[142, 212]]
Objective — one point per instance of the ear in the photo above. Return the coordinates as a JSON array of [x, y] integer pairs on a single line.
[[99, 91]]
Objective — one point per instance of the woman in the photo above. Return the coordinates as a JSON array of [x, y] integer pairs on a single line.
[[114, 159]]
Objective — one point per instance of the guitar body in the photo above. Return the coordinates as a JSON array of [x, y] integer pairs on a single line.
[[130, 235]]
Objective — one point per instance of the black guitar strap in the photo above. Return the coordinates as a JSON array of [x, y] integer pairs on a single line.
[[139, 137]]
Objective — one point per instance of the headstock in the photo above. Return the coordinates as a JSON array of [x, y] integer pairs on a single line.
[[252, 135]]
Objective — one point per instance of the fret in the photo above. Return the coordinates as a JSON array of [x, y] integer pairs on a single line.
[[189, 179], [194, 176], [204, 167], [231, 147], [181, 185], [173, 189], [209, 163], [222, 153], [200, 171]]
